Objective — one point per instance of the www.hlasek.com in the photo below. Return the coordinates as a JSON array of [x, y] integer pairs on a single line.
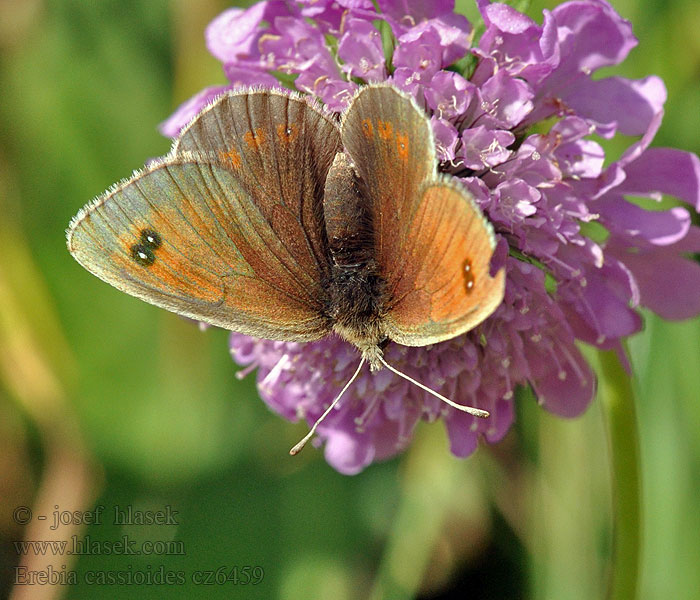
[[222, 575], [88, 546]]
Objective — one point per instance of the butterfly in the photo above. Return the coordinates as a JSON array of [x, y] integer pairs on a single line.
[[270, 218]]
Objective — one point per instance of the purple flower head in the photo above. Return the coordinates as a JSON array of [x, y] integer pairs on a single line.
[[515, 117]]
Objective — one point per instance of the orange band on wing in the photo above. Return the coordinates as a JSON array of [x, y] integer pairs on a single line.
[[287, 133], [232, 157], [386, 129], [402, 146], [255, 139]]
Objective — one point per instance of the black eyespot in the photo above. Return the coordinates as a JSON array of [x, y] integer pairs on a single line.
[[151, 239], [143, 255]]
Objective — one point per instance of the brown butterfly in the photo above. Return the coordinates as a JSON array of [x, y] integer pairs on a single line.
[[270, 219]]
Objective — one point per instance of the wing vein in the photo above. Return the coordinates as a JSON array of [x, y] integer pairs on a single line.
[[253, 229]]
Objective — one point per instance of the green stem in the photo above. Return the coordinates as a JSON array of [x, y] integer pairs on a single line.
[[432, 484], [617, 399]]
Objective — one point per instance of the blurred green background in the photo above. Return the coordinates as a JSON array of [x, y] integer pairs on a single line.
[[105, 400]]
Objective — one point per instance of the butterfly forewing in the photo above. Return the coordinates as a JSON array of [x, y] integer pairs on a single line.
[[187, 236], [390, 143], [444, 287], [280, 147]]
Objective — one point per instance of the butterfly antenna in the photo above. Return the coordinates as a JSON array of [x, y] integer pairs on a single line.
[[298, 448], [477, 412]]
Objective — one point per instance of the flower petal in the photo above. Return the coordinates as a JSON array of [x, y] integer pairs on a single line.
[[346, 453], [446, 138], [506, 100], [669, 283], [449, 94], [519, 46], [360, 48], [410, 13], [627, 103], [462, 433], [564, 383], [454, 32], [592, 35], [421, 54], [189, 109], [482, 148], [657, 227], [242, 77], [599, 311], [666, 171], [235, 32]]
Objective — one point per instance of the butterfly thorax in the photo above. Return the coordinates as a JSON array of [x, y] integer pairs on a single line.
[[356, 294], [356, 307]]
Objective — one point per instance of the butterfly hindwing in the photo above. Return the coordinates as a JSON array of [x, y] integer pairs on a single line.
[[445, 287], [186, 235]]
